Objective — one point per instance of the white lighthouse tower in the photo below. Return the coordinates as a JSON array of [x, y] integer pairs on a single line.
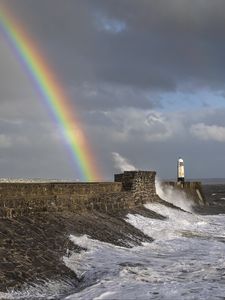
[[180, 170]]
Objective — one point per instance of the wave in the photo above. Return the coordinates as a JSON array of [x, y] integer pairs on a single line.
[[178, 268], [48, 289], [174, 266], [173, 196], [178, 224]]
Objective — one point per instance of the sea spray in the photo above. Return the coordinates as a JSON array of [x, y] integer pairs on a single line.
[[121, 163], [173, 195]]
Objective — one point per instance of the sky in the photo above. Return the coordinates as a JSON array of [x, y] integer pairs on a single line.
[[145, 77]]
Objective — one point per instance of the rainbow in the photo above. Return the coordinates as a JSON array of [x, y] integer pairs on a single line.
[[52, 94]]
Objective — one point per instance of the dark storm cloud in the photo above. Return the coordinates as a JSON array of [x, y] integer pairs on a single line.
[[116, 59], [101, 96], [182, 39], [161, 45]]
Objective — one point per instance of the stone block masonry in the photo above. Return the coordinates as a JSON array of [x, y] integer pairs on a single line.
[[130, 189], [140, 183]]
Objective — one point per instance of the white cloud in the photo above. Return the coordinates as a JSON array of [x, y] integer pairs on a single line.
[[208, 132], [149, 125], [110, 25], [122, 163]]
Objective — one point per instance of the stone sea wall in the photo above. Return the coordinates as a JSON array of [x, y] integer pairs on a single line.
[[128, 190]]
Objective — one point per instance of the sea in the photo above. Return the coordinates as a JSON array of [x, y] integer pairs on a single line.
[[186, 260]]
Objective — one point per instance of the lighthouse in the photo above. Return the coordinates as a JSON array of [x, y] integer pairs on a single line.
[[180, 170]]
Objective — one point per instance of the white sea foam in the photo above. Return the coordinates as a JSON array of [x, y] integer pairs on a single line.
[[47, 290], [178, 224], [172, 267], [186, 261], [178, 268]]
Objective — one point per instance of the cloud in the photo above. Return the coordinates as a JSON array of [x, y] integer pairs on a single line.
[[157, 45], [110, 25], [124, 65], [104, 96], [122, 163], [148, 125], [208, 132], [5, 141], [169, 43]]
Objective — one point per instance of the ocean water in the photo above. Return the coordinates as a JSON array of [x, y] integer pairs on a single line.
[[185, 261]]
